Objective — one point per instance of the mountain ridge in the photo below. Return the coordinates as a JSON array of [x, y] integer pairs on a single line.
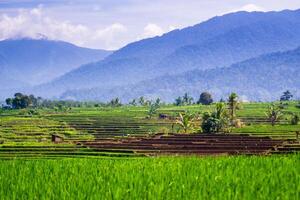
[[34, 61], [218, 42], [262, 78]]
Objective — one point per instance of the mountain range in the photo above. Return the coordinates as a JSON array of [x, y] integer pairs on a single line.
[[32, 62], [262, 78], [251, 53]]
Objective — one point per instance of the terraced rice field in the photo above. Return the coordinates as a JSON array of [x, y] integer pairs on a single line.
[[105, 155], [30, 136], [199, 144]]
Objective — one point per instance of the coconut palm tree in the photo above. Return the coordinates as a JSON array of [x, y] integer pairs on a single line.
[[142, 101], [233, 105]]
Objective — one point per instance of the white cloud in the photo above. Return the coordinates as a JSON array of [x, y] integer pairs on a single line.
[[109, 35], [172, 28], [33, 23], [152, 30], [250, 8]]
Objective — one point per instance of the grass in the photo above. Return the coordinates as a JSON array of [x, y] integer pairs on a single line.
[[275, 177]]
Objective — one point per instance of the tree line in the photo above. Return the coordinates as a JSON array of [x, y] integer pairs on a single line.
[[22, 101]]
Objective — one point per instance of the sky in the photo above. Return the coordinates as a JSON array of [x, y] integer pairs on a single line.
[[111, 24]]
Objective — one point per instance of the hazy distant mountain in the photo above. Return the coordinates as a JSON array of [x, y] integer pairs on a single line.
[[37, 61], [218, 42], [261, 78]]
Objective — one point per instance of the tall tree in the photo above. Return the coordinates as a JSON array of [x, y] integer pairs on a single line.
[[178, 101], [133, 102], [115, 102], [188, 100], [205, 98], [142, 101], [158, 101], [21, 101], [286, 96], [9, 101]]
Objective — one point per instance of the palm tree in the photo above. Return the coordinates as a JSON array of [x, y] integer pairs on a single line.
[[178, 101], [233, 105], [185, 121], [142, 101], [187, 99], [133, 102], [274, 113], [158, 101], [287, 96]]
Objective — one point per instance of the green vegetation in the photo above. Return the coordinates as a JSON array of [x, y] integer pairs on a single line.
[[205, 98], [23, 101], [223, 178], [295, 119], [153, 108], [184, 100], [286, 96], [186, 122], [217, 121], [233, 105], [274, 113]]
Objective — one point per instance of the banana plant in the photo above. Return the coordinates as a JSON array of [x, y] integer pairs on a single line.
[[186, 121]]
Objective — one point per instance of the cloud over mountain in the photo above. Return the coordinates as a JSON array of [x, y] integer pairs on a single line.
[[33, 23]]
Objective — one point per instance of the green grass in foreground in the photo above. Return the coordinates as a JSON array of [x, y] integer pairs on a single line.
[[275, 177]]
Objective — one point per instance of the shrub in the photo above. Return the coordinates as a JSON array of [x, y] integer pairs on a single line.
[[210, 124], [295, 119], [216, 121], [298, 105]]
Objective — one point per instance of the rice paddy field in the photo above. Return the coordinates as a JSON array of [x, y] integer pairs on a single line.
[[87, 165], [238, 177]]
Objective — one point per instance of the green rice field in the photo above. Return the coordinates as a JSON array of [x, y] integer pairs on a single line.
[[240, 177]]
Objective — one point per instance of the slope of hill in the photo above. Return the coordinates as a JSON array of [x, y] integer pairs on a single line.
[[218, 42], [38, 61], [261, 78]]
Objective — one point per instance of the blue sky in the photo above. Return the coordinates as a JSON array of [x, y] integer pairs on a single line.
[[111, 24]]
